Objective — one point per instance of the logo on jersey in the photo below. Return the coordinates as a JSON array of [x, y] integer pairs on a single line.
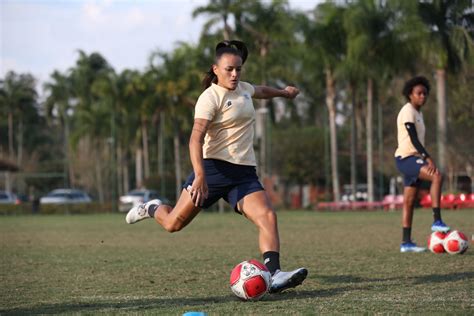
[[420, 161], [228, 104], [247, 96]]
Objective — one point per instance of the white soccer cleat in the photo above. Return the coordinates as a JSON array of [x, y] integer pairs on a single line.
[[286, 280], [140, 212], [410, 246]]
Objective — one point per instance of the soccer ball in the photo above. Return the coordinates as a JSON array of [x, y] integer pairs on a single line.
[[436, 242], [455, 242], [250, 280]]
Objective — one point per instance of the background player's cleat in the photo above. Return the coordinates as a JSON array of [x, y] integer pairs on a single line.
[[440, 226], [140, 212], [411, 247], [285, 280]]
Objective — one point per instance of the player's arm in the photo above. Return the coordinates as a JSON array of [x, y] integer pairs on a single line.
[[411, 129], [198, 189], [264, 92]]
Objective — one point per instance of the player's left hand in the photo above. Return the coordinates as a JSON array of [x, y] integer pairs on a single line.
[[292, 92]]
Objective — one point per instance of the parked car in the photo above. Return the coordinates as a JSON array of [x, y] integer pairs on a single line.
[[65, 196], [7, 197], [360, 194], [136, 197]]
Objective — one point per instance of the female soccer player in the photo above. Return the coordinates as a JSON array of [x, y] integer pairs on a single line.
[[223, 160], [414, 162]]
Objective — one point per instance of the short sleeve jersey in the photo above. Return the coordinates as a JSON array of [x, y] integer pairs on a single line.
[[230, 134], [408, 114]]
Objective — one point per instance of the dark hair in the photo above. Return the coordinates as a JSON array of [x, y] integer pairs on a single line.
[[233, 47], [413, 82]]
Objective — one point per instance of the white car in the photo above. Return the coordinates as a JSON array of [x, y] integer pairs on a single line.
[[136, 197], [7, 197], [66, 196]]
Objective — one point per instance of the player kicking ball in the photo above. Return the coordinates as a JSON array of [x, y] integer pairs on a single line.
[[223, 160], [414, 162]]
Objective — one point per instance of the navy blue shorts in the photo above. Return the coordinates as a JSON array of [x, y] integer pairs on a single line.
[[410, 168], [228, 181]]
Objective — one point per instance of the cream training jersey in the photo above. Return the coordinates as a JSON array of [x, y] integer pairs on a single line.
[[230, 134], [408, 114]]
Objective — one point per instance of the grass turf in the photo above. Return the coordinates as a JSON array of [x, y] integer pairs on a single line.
[[96, 264]]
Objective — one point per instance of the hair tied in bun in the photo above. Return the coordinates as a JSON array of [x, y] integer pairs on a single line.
[[237, 45]]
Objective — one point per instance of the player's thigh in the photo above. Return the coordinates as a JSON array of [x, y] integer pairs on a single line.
[[256, 206], [184, 211]]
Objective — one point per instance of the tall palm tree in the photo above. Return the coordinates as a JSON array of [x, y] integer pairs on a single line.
[[218, 10], [372, 48], [58, 104], [328, 39], [17, 93], [448, 46], [93, 111], [178, 85]]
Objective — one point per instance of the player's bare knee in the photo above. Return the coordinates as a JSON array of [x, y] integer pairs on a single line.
[[172, 226]]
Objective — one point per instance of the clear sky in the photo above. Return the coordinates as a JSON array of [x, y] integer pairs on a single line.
[[40, 36]]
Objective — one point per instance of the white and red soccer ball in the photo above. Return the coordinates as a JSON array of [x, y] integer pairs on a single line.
[[250, 280], [436, 242], [455, 242]]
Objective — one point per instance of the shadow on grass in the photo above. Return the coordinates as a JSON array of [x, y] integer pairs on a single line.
[[432, 278], [142, 305]]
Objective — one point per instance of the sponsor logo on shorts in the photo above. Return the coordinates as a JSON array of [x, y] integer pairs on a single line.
[[420, 161]]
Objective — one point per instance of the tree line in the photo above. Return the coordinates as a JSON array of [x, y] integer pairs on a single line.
[[108, 131]]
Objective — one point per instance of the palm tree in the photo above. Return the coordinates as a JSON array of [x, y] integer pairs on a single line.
[[448, 46], [218, 10], [372, 47], [93, 111], [178, 87], [17, 93], [328, 39], [58, 104]]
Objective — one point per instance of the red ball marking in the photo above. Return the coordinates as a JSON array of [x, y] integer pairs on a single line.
[[258, 264], [438, 248], [255, 286], [462, 236], [235, 274], [453, 245]]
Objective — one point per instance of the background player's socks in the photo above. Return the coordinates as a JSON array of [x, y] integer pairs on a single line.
[[406, 234]]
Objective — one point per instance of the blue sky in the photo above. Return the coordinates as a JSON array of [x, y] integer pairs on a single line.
[[40, 36]]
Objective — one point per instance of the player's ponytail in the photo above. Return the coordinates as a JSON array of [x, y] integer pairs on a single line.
[[209, 78], [233, 47]]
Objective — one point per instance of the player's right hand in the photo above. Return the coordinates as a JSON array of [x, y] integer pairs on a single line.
[[199, 191]]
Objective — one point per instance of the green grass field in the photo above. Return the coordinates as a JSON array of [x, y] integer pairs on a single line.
[[97, 264]]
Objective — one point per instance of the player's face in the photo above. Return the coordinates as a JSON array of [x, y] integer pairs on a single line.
[[418, 95], [228, 70]]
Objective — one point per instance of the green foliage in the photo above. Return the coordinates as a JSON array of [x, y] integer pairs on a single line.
[[95, 116], [298, 153]]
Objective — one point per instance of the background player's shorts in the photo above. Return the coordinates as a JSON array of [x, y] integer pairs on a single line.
[[228, 181], [410, 168]]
